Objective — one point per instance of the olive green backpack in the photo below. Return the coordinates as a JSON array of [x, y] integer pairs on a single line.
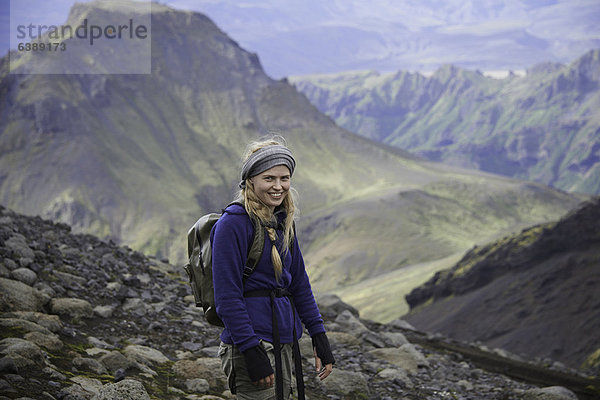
[[199, 265]]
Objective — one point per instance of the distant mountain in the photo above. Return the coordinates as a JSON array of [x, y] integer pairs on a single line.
[[535, 293], [138, 158], [544, 126], [313, 36]]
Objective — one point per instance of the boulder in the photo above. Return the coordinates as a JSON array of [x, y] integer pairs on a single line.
[[114, 286], [49, 341], [8, 366], [395, 339], [25, 262], [22, 352], [4, 271], [342, 339], [550, 393], [18, 244], [127, 389], [17, 296], [45, 288], [346, 384], [331, 306], [94, 341], [465, 385], [89, 364], [406, 357], [401, 324], [114, 361], [24, 275], [391, 374], [69, 279], [71, 307], [89, 384], [23, 325], [197, 385], [96, 352], [145, 355], [135, 305], [104, 311], [10, 264], [54, 375], [350, 324], [306, 348], [373, 339], [74, 392], [206, 368], [50, 322]]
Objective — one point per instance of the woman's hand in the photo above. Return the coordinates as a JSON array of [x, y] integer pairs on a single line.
[[323, 371], [323, 354], [266, 382], [259, 367]]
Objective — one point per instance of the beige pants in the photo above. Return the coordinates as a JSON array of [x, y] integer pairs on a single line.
[[234, 366]]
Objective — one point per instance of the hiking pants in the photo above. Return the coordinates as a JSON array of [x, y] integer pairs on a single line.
[[234, 366]]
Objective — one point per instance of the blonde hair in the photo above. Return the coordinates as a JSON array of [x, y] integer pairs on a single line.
[[254, 206]]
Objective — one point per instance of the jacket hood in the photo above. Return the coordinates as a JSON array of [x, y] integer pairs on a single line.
[[235, 209]]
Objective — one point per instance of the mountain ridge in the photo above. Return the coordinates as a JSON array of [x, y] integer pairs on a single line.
[[539, 127]]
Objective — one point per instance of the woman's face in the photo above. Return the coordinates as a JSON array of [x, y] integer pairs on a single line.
[[272, 185]]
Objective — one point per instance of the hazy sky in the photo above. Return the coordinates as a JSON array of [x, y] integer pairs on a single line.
[[256, 24]]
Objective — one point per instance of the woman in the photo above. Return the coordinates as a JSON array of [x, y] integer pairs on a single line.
[[268, 306]]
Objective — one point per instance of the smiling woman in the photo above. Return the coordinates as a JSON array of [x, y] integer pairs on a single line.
[[263, 309], [272, 186]]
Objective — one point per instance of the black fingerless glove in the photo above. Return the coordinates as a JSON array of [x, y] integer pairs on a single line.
[[321, 345], [257, 363]]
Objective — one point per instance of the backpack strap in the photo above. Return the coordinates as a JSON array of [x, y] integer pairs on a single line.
[[257, 246], [256, 249]]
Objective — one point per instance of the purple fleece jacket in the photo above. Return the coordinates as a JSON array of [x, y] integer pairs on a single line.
[[247, 320]]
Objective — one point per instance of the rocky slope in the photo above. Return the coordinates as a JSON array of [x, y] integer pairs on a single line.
[[541, 127], [534, 293], [84, 319], [138, 158]]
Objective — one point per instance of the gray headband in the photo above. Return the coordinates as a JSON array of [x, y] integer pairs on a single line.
[[267, 158]]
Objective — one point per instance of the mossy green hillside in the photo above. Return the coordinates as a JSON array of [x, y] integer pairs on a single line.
[[354, 245], [541, 127]]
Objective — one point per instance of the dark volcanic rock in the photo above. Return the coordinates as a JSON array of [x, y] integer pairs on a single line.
[[534, 293]]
